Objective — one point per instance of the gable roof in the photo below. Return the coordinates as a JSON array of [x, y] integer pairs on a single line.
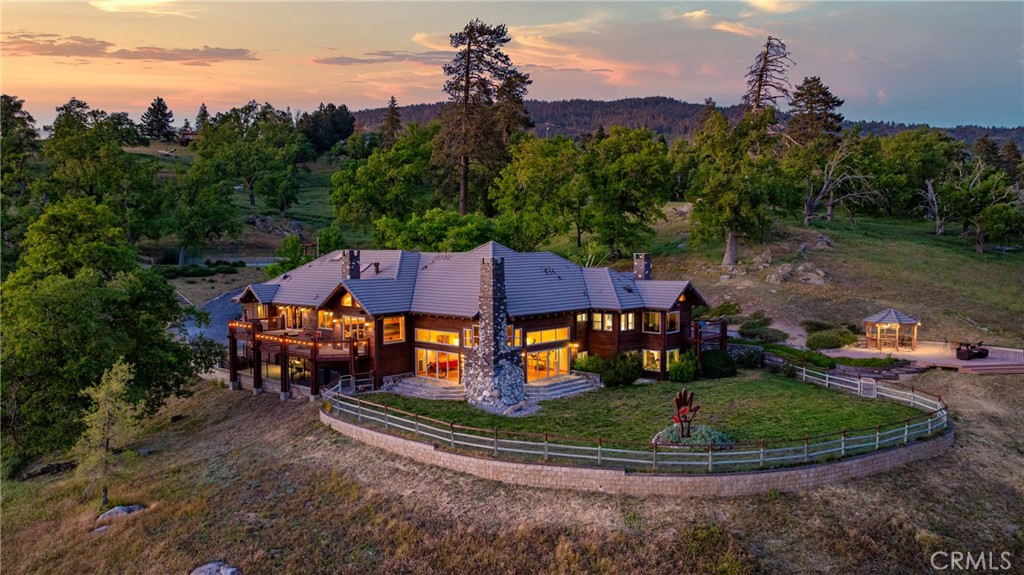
[[448, 283]]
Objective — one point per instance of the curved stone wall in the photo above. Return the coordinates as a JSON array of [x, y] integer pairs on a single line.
[[617, 481]]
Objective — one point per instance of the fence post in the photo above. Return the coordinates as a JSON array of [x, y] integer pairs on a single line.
[[417, 425], [842, 451], [495, 442], [655, 455], [929, 425], [359, 411], [807, 442], [599, 450], [385, 418], [860, 387], [545, 446], [451, 433], [906, 432], [711, 461], [761, 464], [826, 378], [878, 436], [803, 374]]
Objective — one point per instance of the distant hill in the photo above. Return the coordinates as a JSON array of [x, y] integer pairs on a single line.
[[666, 116]]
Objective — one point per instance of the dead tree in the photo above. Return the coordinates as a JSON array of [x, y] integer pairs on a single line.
[[838, 183]]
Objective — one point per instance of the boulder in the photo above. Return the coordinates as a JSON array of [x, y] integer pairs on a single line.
[[216, 568], [824, 243], [119, 511], [763, 260], [99, 530], [780, 275]]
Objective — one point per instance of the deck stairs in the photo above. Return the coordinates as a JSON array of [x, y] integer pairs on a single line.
[[426, 388]]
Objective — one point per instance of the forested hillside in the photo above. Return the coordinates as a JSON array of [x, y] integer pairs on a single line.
[[665, 116]]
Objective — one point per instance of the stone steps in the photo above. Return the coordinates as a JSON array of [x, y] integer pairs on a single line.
[[565, 388]]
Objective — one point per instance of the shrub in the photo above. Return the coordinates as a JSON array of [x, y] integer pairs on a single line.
[[194, 271], [168, 272], [590, 363], [623, 369], [749, 357], [717, 363], [800, 356], [812, 325], [788, 370], [726, 308], [830, 339], [699, 435], [225, 269], [684, 369], [757, 320], [762, 333]]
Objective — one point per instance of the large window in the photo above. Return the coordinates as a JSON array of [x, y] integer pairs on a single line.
[[547, 336], [437, 336], [325, 318], [652, 360], [671, 355], [353, 327], [394, 329], [438, 364], [626, 321], [652, 322], [603, 321], [672, 325], [547, 363]]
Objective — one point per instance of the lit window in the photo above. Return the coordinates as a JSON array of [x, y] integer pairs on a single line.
[[471, 336], [672, 325], [652, 360], [671, 356], [547, 336], [603, 321], [394, 329], [514, 336], [626, 321], [437, 336], [581, 318], [347, 300], [652, 322], [324, 318]]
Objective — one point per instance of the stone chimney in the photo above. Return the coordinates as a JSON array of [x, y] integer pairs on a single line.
[[350, 265], [642, 267], [493, 373]]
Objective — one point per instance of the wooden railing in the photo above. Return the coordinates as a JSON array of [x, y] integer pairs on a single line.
[[661, 456]]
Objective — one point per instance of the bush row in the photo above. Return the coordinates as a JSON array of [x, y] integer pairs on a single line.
[[623, 369], [193, 271]]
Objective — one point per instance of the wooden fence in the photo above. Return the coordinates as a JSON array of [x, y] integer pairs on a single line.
[[663, 457]]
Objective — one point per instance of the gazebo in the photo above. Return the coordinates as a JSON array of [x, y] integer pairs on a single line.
[[891, 328]]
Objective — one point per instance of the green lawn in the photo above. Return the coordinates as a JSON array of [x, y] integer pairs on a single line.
[[748, 407]]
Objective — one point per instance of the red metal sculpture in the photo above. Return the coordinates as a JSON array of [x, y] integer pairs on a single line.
[[685, 412]]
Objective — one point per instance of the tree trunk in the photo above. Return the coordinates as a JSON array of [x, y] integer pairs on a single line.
[[830, 208], [104, 501], [731, 248], [252, 196], [181, 256], [940, 225], [579, 237], [464, 186], [979, 241]]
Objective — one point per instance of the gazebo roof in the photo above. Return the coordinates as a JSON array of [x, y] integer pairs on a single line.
[[890, 316]]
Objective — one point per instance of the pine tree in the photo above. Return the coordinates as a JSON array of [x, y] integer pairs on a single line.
[[157, 121], [767, 77], [475, 75], [110, 424], [202, 118], [392, 125], [986, 150], [814, 113], [1011, 160]]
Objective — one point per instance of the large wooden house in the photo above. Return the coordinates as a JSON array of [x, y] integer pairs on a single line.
[[491, 320]]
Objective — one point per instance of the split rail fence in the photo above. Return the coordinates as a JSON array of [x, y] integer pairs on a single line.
[[662, 457]]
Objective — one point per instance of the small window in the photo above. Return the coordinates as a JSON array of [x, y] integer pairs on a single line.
[[652, 360], [514, 336], [346, 300], [394, 329], [471, 336], [672, 325], [652, 322], [581, 318], [626, 321], [671, 356]]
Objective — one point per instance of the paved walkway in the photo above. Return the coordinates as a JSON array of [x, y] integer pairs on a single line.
[[939, 354]]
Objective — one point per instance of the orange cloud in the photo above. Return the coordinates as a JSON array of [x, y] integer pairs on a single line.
[[739, 28], [774, 6], [157, 7], [56, 45]]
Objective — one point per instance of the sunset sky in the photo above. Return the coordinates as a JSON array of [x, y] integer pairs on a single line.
[[944, 63]]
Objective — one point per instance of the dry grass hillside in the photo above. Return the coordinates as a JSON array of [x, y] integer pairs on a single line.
[[261, 484]]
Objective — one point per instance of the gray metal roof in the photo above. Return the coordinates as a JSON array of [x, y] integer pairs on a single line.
[[264, 293], [890, 316], [448, 283]]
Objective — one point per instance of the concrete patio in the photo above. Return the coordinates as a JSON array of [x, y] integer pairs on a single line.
[[1001, 360]]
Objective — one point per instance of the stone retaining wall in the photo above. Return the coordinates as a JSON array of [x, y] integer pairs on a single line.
[[617, 481]]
